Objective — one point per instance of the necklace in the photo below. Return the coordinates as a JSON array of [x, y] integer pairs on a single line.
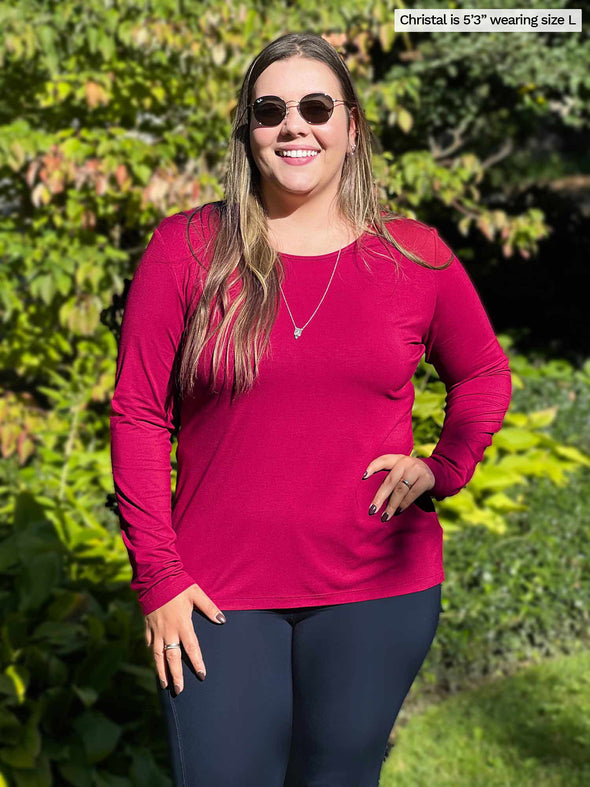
[[298, 331]]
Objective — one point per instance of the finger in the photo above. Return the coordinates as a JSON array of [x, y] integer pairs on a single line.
[[387, 488], [173, 658], [193, 651], [161, 665], [401, 500], [398, 499], [383, 462], [420, 479]]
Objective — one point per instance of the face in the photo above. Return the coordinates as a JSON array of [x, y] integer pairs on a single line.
[[300, 177]]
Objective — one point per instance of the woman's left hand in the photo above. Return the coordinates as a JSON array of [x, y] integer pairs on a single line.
[[418, 475]]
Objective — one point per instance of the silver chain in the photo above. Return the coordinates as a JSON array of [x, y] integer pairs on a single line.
[[298, 331]]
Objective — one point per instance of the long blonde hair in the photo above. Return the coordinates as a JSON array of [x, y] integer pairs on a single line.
[[241, 245]]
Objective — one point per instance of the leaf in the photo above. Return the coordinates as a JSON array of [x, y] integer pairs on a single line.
[[78, 774], [99, 734], [61, 636], [19, 675], [495, 477], [501, 502], [518, 419], [87, 695], [541, 418], [8, 553], [144, 770], [38, 776], [570, 452], [387, 35], [512, 439], [24, 754], [404, 120], [38, 578], [99, 667], [494, 521]]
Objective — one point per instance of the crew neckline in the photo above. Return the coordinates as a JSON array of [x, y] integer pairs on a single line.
[[326, 256]]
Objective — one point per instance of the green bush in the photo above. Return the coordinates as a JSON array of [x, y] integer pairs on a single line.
[[525, 596], [75, 667], [524, 449]]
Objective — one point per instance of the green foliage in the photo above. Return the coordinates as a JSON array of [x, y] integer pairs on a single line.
[[520, 452], [112, 116], [523, 596], [73, 658]]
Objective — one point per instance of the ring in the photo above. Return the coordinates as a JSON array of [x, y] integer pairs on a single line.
[[407, 483], [172, 645]]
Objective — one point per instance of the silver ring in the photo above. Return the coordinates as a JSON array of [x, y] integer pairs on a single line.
[[172, 645], [407, 483]]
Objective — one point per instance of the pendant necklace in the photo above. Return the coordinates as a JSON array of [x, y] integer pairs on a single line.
[[298, 331]]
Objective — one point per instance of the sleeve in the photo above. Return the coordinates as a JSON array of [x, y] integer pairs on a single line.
[[141, 425], [467, 356]]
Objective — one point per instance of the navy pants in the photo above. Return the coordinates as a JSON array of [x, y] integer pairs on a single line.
[[298, 697]]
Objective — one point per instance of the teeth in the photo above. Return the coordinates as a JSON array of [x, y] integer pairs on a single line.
[[298, 153]]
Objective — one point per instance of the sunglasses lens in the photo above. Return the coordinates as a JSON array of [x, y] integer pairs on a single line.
[[316, 108], [269, 112]]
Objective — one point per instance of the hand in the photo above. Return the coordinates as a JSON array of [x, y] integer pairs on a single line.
[[415, 471], [172, 622]]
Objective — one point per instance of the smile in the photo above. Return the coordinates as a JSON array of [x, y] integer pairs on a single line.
[[296, 153]]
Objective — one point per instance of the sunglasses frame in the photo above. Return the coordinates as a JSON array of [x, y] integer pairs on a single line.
[[335, 102]]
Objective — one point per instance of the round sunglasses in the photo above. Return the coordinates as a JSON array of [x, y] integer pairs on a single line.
[[314, 108]]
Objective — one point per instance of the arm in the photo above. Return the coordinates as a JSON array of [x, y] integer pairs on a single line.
[[463, 348], [141, 426]]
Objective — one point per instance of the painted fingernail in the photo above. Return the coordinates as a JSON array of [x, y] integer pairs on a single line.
[[220, 617], [399, 510], [384, 516], [177, 688], [365, 475], [163, 684], [372, 510], [201, 674]]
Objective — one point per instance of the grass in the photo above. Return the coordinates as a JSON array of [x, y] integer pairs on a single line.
[[531, 729]]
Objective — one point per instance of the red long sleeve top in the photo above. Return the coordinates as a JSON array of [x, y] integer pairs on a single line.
[[270, 509]]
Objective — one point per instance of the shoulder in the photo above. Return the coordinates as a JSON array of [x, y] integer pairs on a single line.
[[189, 232], [421, 239]]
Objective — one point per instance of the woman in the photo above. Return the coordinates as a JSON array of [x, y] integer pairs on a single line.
[[279, 329]]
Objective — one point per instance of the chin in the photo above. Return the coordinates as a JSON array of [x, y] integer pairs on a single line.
[[299, 191]]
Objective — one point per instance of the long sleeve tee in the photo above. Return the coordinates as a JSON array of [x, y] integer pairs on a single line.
[[270, 509]]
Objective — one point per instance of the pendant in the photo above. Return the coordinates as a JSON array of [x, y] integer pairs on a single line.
[[298, 332]]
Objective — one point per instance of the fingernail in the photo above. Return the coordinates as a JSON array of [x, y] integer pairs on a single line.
[[177, 688], [399, 510], [372, 510], [220, 617], [384, 516], [201, 674], [163, 684], [365, 475]]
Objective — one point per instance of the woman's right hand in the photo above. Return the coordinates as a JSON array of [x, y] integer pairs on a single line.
[[172, 622]]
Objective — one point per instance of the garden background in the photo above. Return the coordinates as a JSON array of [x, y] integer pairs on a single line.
[[115, 114]]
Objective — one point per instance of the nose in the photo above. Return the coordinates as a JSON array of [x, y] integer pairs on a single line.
[[293, 122]]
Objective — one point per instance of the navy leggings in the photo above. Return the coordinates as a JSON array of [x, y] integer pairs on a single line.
[[298, 697]]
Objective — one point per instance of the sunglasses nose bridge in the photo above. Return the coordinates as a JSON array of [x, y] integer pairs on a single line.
[[293, 116]]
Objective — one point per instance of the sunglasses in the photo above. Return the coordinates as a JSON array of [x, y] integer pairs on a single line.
[[315, 109]]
